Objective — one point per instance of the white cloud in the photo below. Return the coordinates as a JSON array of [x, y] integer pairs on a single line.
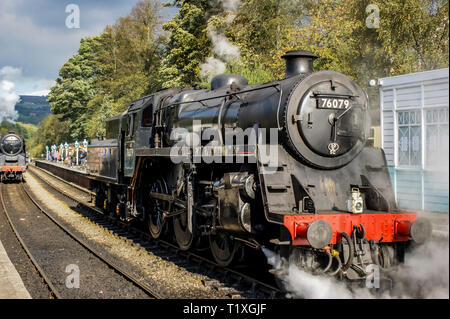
[[8, 95], [39, 93], [10, 73], [34, 37]]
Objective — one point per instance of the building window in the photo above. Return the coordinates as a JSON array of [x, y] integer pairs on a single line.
[[409, 138], [436, 121]]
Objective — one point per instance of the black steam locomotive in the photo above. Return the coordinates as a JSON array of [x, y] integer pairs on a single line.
[[282, 165], [13, 158]]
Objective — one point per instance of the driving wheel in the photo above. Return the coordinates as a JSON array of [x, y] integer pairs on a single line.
[[223, 248], [156, 220], [183, 235]]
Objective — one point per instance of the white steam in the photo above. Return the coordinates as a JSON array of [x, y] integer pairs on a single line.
[[212, 67], [318, 287], [223, 48], [425, 274], [301, 284], [223, 51], [8, 96], [231, 5]]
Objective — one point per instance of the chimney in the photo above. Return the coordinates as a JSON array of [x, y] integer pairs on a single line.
[[299, 62]]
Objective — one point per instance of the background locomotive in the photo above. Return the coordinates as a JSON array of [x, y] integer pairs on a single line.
[[13, 158], [327, 203]]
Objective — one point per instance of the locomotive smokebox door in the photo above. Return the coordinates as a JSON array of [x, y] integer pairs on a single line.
[[327, 120]]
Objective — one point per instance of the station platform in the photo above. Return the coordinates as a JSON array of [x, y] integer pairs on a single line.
[[75, 169], [11, 285], [77, 174]]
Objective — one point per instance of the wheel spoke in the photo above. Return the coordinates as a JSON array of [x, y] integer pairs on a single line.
[[155, 220], [223, 248]]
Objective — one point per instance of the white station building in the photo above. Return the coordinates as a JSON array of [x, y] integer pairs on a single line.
[[414, 124]]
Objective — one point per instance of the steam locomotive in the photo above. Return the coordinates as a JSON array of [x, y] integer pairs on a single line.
[[13, 159], [282, 165]]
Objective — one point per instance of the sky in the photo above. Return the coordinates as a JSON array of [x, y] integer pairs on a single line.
[[35, 41]]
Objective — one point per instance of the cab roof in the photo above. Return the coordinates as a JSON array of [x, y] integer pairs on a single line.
[[140, 103]]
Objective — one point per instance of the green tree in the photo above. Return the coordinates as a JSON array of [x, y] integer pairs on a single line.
[[128, 63], [188, 44], [263, 30], [110, 70], [52, 130], [134, 57], [96, 125], [75, 87], [26, 131], [412, 36]]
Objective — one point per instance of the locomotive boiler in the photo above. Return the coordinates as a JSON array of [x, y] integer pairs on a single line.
[[13, 159], [282, 165]]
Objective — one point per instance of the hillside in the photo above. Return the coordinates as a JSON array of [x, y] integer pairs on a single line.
[[32, 109], [25, 130]]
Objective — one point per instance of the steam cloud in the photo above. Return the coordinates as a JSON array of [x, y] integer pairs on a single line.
[[425, 274], [231, 5], [223, 50], [8, 96]]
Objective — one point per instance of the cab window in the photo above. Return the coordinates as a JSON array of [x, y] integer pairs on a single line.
[[112, 129], [147, 116], [129, 125], [135, 122]]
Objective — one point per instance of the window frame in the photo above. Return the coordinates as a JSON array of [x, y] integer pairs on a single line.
[[438, 123], [150, 109], [417, 124]]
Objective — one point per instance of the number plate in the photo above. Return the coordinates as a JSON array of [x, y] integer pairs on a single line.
[[333, 103]]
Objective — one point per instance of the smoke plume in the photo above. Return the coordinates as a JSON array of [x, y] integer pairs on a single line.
[[8, 96], [231, 5], [223, 51], [425, 274]]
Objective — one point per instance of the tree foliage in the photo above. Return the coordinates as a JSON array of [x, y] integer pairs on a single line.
[[188, 44], [27, 131], [109, 71], [75, 87], [139, 54], [412, 36], [52, 130]]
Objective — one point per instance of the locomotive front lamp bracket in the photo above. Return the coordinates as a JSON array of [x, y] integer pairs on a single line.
[[356, 204]]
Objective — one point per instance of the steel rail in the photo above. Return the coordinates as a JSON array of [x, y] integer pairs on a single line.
[[80, 188], [41, 273], [163, 243], [146, 288]]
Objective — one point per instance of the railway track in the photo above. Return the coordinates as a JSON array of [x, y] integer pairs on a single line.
[[37, 254], [221, 278], [53, 292]]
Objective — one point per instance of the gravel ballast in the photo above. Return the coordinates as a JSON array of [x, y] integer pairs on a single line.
[[170, 280], [61, 257]]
